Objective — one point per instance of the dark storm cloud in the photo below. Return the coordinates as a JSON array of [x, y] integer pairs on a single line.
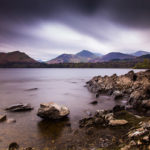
[[135, 13], [102, 20], [129, 12], [45, 8]]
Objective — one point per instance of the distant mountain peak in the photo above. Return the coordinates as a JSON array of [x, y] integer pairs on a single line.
[[140, 53], [116, 55], [85, 53], [83, 56]]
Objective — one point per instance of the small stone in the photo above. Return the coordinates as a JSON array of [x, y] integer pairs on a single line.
[[94, 102], [146, 138], [127, 147], [139, 142], [13, 146], [2, 118], [132, 143], [117, 94], [138, 117], [117, 122], [11, 120]]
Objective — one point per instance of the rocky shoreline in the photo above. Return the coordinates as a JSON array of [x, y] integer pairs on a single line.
[[134, 87], [125, 127]]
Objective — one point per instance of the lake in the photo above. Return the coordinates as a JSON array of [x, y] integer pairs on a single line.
[[63, 86]]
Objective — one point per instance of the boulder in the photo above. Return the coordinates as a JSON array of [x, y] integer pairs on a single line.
[[2, 118], [19, 107], [52, 111]]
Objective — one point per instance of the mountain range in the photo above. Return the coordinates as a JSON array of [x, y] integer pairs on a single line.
[[20, 59], [86, 56]]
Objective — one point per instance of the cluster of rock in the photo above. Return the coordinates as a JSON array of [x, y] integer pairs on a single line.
[[134, 86], [139, 137], [103, 118], [46, 111]]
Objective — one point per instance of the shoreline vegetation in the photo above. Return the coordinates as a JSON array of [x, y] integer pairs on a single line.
[[124, 127], [145, 64]]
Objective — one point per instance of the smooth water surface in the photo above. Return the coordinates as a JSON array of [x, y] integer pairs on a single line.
[[63, 86]]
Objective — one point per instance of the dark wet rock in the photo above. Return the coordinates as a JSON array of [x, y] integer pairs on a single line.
[[97, 95], [32, 89], [118, 108], [146, 104], [68, 124], [13, 146], [117, 94], [131, 75], [11, 120], [2, 117], [86, 122], [19, 107], [94, 102], [52, 111]]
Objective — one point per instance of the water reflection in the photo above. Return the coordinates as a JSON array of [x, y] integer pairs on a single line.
[[53, 129]]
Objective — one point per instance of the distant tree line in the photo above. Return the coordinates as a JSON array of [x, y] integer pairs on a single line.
[[137, 64], [143, 65]]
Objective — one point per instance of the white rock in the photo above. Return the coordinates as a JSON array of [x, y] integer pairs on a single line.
[[52, 111]]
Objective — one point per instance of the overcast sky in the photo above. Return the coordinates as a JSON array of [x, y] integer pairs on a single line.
[[46, 28]]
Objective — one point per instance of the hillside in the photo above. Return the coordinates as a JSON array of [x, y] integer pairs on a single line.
[[116, 56], [64, 58], [15, 57]]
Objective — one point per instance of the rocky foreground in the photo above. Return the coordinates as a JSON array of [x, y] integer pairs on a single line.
[[125, 127]]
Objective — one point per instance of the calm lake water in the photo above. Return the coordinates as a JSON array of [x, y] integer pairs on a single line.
[[63, 86]]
